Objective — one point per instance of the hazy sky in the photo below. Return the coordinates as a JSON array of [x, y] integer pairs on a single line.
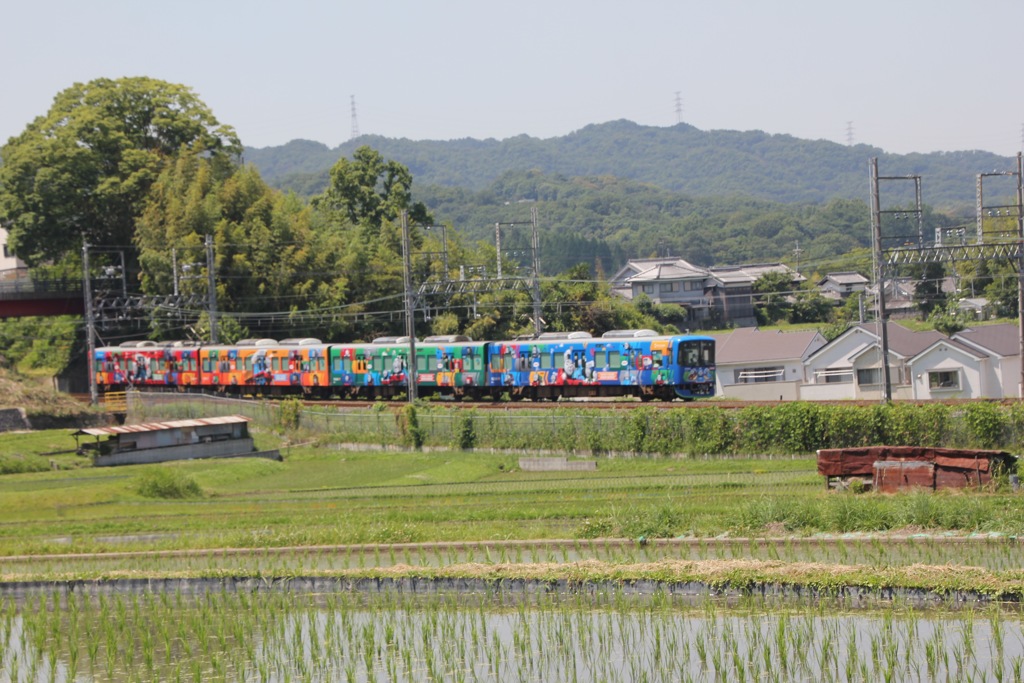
[[903, 75]]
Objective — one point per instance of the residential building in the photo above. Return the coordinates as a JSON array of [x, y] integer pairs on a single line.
[[763, 366], [720, 295], [842, 284], [999, 373], [851, 367]]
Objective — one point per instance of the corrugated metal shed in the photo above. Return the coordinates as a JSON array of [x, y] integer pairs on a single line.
[[892, 468], [896, 475]]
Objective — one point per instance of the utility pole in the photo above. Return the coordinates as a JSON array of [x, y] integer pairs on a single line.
[[90, 326], [538, 324], [410, 309], [211, 285], [879, 273], [1020, 270], [796, 252]]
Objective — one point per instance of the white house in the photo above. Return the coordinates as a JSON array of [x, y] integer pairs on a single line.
[[851, 367], [10, 265], [1002, 344], [951, 369], [763, 366]]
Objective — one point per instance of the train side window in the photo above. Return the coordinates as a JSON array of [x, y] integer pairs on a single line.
[[497, 364], [614, 359]]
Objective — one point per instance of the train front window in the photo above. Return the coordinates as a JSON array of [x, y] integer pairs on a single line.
[[694, 354], [707, 353]]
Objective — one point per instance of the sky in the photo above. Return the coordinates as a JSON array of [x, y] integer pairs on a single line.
[[902, 75]]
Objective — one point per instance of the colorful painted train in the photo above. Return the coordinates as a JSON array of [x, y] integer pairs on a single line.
[[551, 366]]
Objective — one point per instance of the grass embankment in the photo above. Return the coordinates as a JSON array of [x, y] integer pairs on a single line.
[[320, 501]]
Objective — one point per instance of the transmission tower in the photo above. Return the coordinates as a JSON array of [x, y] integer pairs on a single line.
[[355, 122], [679, 107], [849, 133]]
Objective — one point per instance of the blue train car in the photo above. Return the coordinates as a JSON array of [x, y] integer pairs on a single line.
[[620, 363]]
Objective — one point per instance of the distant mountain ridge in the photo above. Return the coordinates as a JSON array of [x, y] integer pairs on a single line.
[[679, 158]]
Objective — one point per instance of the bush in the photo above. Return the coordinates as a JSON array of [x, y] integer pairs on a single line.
[[289, 414], [986, 424], [409, 427], [465, 435], [168, 483]]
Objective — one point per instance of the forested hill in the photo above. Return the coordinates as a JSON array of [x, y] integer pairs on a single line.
[[680, 158]]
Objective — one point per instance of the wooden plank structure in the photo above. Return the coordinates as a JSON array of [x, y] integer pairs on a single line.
[[151, 442], [895, 468]]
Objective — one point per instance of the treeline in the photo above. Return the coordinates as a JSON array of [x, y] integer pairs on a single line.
[[679, 158]]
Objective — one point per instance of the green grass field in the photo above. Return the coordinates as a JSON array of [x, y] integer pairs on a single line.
[[322, 495]]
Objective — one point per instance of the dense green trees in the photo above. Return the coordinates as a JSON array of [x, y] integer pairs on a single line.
[[269, 258], [82, 172]]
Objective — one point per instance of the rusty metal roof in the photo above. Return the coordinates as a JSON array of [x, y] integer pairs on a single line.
[[160, 426]]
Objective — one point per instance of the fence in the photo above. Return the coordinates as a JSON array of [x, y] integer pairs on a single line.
[[784, 429]]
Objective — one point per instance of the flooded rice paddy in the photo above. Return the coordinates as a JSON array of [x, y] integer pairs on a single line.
[[607, 635]]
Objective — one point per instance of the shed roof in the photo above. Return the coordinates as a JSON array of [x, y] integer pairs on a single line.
[[161, 426]]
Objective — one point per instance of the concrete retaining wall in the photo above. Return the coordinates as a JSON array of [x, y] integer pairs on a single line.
[[556, 465], [13, 419], [234, 448]]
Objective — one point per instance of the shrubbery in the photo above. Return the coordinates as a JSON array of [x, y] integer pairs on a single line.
[[169, 483]]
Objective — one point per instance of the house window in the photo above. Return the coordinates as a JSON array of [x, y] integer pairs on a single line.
[[694, 285], [757, 375], [668, 286], [648, 289], [869, 376], [944, 379], [834, 376]]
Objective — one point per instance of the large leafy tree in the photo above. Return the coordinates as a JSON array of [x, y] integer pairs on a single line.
[[368, 190], [82, 171]]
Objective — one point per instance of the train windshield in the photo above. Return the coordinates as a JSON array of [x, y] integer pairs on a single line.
[[697, 353]]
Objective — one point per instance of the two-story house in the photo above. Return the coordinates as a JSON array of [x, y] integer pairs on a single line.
[[721, 294]]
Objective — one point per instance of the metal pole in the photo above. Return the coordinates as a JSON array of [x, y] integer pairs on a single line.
[[920, 212], [979, 209], [538, 324], [877, 257], [410, 322], [174, 268], [90, 326], [497, 244], [444, 249], [211, 289], [1020, 270]]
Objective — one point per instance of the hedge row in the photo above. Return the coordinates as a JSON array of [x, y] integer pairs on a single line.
[[789, 428], [783, 429]]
